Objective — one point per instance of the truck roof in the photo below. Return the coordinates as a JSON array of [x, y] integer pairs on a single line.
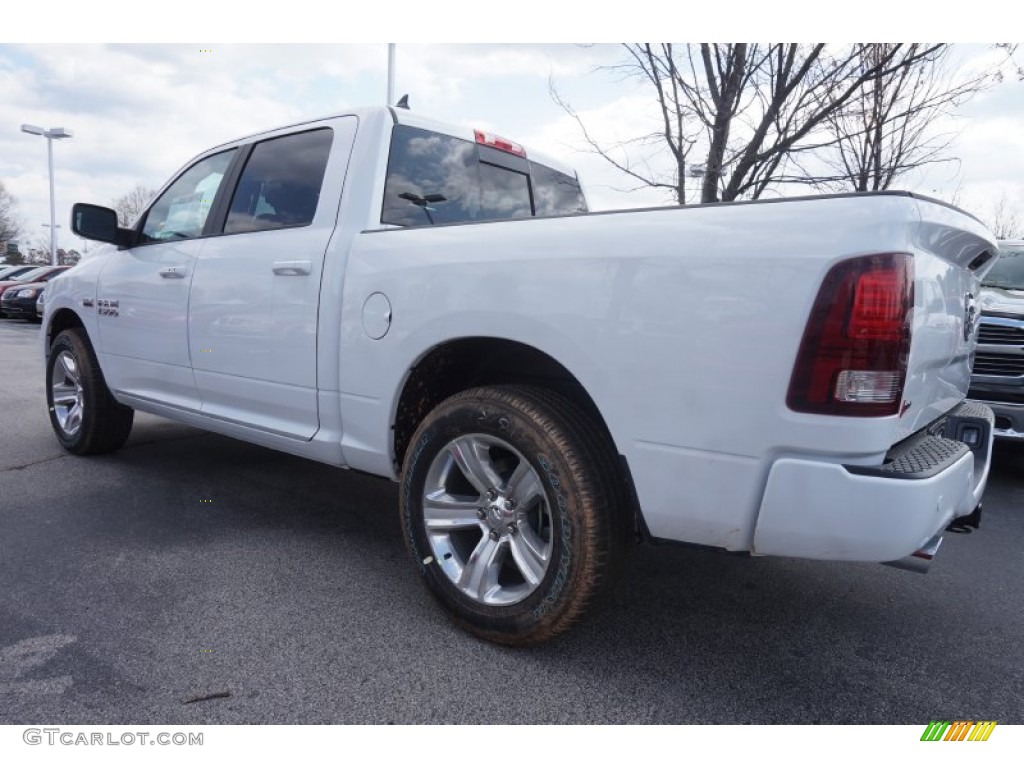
[[410, 118]]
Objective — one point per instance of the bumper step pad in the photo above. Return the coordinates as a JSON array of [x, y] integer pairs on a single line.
[[965, 429]]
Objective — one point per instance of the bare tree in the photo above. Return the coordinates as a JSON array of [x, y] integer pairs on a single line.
[[1011, 50], [1005, 220], [130, 205], [759, 110], [38, 254], [37, 249], [10, 224], [675, 131], [889, 126]]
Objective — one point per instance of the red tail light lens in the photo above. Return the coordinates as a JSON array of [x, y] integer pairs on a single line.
[[878, 311], [853, 357]]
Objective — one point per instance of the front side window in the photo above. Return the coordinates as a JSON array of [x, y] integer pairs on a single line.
[[181, 211], [280, 186]]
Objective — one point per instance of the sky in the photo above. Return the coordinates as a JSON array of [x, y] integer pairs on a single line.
[[140, 110]]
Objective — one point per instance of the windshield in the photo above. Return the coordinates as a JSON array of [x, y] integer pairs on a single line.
[[1008, 271]]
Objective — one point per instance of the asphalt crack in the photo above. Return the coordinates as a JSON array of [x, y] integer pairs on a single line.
[[34, 463], [139, 444]]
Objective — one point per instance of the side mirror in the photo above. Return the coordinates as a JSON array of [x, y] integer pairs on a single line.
[[94, 222]]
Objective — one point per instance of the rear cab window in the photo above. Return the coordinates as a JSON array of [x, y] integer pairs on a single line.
[[434, 178], [555, 192]]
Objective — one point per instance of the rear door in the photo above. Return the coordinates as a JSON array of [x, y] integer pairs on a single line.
[[252, 315]]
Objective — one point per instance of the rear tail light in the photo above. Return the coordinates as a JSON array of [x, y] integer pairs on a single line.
[[853, 357]]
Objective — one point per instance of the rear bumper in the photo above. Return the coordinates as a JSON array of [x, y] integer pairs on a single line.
[[826, 511], [1009, 423]]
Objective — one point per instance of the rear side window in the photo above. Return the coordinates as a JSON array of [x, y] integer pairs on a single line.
[[280, 186], [438, 179]]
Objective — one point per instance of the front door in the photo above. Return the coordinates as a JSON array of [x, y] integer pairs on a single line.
[[143, 292]]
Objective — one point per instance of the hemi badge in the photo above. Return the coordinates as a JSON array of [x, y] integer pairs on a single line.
[[86, 302]]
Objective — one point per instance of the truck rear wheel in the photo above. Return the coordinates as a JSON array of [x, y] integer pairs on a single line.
[[512, 509], [85, 416]]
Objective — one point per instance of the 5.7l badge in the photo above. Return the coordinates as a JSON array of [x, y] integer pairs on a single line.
[[108, 307]]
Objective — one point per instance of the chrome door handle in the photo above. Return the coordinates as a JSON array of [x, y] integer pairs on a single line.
[[176, 272], [292, 268]]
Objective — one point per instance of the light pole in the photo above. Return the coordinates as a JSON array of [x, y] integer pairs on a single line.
[[391, 74], [53, 133]]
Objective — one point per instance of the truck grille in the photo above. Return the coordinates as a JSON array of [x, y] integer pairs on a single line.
[[1000, 334], [988, 364]]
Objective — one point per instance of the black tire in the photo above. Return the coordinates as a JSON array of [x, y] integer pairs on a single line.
[[553, 552], [101, 424]]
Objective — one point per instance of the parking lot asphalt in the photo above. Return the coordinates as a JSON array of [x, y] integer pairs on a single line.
[[190, 578]]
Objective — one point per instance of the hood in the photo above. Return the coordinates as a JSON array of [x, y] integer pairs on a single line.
[[1002, 288], [1002, 301]]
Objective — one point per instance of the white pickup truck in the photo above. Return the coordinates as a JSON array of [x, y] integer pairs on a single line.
[[382, 292]]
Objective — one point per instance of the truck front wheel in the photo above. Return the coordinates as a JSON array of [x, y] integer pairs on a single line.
[[85, 416], [512, 509]]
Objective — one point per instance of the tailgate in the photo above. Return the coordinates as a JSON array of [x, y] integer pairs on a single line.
[[952, 252]]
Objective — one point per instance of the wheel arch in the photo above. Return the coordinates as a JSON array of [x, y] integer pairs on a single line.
[[61, 320], [468, 362]]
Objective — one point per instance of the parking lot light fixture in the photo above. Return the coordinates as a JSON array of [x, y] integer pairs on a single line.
[[50, 135]]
